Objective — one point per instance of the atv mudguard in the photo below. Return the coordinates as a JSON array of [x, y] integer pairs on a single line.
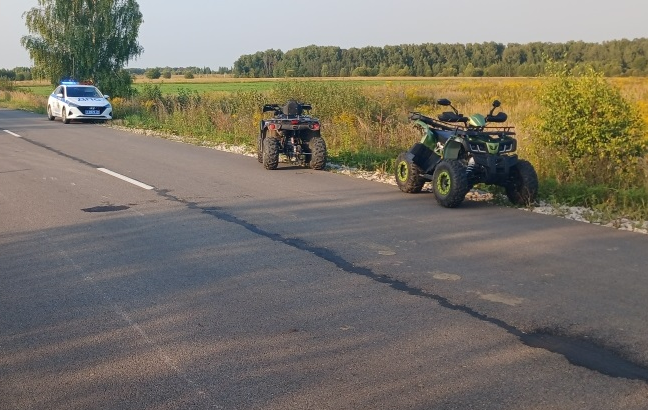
[[429, 138], [432, 135], [423, 157], [451, 149]]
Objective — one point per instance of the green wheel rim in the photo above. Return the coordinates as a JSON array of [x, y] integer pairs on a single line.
[[403, 171], [443, 183]]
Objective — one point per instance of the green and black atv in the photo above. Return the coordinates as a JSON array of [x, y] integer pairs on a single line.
[[458, 152]]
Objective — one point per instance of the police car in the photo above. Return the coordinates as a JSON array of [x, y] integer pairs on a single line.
[[74, 101]]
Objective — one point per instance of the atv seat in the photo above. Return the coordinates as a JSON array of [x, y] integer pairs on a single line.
[[292, 108]]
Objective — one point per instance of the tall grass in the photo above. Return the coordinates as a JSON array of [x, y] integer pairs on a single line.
[[13, 97]]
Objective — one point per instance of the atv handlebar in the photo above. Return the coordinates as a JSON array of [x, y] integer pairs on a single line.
[[449, 126]]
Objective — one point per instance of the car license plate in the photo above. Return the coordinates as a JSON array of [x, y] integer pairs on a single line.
[[92, 112]]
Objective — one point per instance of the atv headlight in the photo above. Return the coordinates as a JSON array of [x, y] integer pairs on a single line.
[[507, 147], [478, 147]]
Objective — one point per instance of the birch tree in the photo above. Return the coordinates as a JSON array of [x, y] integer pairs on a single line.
[[86, 39]]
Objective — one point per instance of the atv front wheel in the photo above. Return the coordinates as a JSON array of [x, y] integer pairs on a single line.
[[271, 148], [317, 148], [450, 183], [408, 175], [522, 188]]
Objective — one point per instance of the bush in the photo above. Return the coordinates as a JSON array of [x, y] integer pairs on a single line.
[[118, 84], [150, 92], [586, 131], [6, 84], [153, 73]]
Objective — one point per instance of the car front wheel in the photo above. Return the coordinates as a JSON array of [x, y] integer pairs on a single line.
[[64, 117]]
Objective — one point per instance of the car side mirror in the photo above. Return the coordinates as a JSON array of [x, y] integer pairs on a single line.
[[59, 95], [106, 96]]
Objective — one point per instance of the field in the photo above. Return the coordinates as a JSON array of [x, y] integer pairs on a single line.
[[219, 83]]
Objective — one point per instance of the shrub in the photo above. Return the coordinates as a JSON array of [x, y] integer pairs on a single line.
[[6, 84], [586, 131], [153, 73]]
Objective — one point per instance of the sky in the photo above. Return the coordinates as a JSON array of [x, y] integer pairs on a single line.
[[215, 33]]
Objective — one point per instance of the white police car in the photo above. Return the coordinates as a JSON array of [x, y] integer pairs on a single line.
[[74, 101]]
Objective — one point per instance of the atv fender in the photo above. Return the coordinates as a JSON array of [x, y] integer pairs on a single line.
[[451, 149], [423, 157]]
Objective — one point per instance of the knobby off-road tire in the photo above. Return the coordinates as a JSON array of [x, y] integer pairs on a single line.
[[522, 188], [49, 113], [260, 148], [271, 148], [317, 148], [450, 183], [408, 175]]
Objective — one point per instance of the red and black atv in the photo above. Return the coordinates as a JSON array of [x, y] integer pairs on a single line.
[[292, 133]]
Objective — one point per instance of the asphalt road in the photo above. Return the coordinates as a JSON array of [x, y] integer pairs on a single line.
[[213, 283]]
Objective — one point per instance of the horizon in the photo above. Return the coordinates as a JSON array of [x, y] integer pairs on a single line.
[[207, 39]]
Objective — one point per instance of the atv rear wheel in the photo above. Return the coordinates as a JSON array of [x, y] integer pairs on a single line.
[[408, 175], [450, 183], [260, 148], [522, 188], [317, 148], [271, 148]]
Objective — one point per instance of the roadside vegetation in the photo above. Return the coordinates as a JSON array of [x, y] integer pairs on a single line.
[[584, 133]]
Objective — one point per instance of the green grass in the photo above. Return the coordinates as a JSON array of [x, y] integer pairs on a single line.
[[40, 90], [172, 87]]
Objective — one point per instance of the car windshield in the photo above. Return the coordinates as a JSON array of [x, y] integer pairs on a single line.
[[89, 92]]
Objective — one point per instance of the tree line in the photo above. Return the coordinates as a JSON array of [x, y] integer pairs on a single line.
[[489, 59]]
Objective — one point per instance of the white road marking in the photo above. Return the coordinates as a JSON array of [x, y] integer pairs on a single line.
[[12, 133], [125, 178]]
